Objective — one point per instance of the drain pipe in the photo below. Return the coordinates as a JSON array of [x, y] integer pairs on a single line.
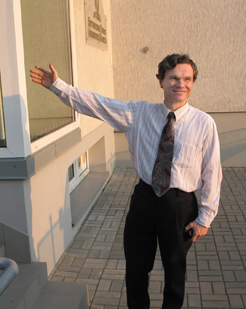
[[9, 271]]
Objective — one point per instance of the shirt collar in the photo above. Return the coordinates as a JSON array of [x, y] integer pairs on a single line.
[[179, 113]]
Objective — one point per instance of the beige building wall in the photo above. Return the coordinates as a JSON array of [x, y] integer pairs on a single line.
[[211, 31], [94, 69], [50, 215]]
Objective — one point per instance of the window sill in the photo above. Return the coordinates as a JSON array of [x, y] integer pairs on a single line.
[[24, 168], [85, 194]]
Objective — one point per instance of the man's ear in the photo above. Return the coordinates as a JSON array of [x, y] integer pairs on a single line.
[[160, 82]]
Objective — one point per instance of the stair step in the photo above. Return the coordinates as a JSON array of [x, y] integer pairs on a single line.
[[31, 290], [24, 291], [63, 295]]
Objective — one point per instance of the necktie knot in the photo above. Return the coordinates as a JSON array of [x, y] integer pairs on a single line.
[[171, 115]]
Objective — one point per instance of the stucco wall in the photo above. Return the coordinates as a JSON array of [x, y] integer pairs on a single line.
[[50, 224], [94, 69], [211, 31]]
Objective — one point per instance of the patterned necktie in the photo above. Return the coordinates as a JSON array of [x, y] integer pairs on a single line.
[[162, 169]]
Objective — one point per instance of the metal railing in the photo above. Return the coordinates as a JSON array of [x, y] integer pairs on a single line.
[[9, 271]]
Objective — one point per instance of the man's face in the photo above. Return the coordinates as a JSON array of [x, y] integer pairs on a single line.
[[177, 84]]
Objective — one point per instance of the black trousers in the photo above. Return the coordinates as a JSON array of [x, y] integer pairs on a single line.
[[150, 220]]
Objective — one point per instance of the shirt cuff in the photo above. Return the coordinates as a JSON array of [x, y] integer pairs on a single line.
[[203, 221], [58, 86]]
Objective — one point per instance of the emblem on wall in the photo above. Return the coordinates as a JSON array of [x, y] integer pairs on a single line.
[[96, 24]]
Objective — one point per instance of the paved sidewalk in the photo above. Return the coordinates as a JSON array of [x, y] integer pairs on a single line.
[[216, 275]]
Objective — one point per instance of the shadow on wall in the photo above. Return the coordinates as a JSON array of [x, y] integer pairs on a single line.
[[15, 191], [233, 147], [54, 242]]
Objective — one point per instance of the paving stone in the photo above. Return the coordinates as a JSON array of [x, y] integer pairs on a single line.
[[57, 278], [113, 274], [121, 264], [155, 287], [84, 273], [96, 273], [215, 304], [78, 262], [244, 300], [236, 301], [194, 300], [229, 276], [206, 287], [106, 298], [240, 275], [116, 285], [218, 287], [67, 261], [66, 273], [104, 285], [94, 253], [112, 264]]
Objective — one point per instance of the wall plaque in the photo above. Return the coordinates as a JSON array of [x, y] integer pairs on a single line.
[[96, 24]]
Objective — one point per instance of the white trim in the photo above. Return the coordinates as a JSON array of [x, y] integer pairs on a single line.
[[14, 92], [73, 43], [79, 174], [13, 81], [73, 52], [52, 137]]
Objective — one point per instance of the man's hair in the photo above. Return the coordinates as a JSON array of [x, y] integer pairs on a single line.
[[170, 62]]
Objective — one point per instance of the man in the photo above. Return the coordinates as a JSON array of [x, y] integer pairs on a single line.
[[175, 150]]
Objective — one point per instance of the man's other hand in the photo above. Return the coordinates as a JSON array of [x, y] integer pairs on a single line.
[[198, 230], [44, 77]]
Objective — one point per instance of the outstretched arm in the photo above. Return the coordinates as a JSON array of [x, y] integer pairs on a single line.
[[44, 77]]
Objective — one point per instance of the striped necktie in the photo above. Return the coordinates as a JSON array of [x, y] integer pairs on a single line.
[[162, 169]]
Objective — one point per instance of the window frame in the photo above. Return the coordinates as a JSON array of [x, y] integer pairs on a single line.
[[59, 133], [79, 174], [14, 96]]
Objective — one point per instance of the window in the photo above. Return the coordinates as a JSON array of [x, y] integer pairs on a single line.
[[46, 39], [2, 126], [77, 171]]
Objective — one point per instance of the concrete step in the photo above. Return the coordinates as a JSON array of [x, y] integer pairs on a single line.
[[31, 290], [2, 250], [24, 291], [63, 295]]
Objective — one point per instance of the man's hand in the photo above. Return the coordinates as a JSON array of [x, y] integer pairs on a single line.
[[44, 77], [198, 230]]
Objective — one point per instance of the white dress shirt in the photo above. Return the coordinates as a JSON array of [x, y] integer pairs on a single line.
[[196, 159]]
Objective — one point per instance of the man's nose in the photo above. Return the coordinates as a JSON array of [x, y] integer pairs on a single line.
[[180, 83]]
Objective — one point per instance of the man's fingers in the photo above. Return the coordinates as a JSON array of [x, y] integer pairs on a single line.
[[36, 74], [41, 69], [189, 226], [43, 77], [52, 68], [37, 81]]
